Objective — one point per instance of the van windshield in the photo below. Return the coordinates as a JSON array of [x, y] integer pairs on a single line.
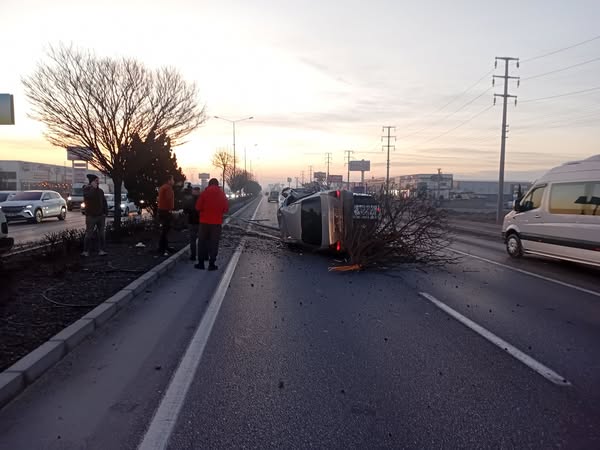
[[77, 192]]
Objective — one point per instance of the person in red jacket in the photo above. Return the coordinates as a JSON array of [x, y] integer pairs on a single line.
[[211, 206]]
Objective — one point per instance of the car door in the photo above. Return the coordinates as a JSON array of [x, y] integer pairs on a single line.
[[47, 208], [530, 219]]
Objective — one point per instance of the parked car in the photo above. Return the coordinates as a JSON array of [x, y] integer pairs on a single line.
[[35, 206], [126, 205], [6, 242], [316, 220], [6, 195], [559, 217]]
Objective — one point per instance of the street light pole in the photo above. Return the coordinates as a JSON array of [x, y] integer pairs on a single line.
[[233, 122]]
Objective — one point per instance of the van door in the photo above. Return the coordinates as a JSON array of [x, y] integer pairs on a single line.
[[588, 224], [530, 219]]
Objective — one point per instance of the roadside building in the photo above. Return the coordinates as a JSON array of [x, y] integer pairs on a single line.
[[25, 175], [487, 189], [435, 186]]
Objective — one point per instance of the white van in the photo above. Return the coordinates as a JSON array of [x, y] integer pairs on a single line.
[[559, 217]]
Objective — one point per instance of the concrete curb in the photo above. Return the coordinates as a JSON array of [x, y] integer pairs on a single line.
[[25, 371]]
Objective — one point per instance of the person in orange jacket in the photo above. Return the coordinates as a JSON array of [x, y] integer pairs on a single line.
[[166, 204], [211, 206]]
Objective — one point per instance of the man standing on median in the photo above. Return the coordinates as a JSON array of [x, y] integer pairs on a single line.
[[211, 206], [193, 220], [166, 204], [96, 209]]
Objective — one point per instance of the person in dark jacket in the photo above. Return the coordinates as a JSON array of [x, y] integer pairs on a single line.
[[96, 209], [211, 206], [189, 208]]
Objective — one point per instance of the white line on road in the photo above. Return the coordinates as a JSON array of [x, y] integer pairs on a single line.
[[552, 280], [544, 371], [165, 419]]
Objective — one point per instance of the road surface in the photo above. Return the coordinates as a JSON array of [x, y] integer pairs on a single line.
[[483, 353]]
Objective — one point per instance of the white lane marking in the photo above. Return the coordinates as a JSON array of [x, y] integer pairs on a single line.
[[159, 432], [544, 371], [552, 280]]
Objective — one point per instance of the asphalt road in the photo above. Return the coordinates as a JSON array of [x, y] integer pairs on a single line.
[[288, 355]]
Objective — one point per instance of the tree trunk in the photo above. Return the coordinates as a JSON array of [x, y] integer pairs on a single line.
[[118, 181]]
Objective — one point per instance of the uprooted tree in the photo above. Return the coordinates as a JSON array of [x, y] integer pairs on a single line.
[[98, 104], [404, 230], [148, 164]]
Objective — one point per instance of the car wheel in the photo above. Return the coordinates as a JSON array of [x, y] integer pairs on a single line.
[[63, 213], [38, 216], [514, 247]]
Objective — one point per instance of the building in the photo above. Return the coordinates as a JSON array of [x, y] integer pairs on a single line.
[[437, 185], [488, 189], [24, 175]]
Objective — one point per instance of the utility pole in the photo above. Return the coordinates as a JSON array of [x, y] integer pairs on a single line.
[[296, 182], [505, 96], [388, 146], [328, 161], [439, 180], [310, 177], [303, 178], [347, 158]]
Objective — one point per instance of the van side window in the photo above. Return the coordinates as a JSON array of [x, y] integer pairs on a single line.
[[568, 198], [593, 206], [533, 200]]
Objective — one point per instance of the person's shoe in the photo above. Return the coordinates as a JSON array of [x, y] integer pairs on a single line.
[[102, 253], [85, 254], [212, 267], [199, 266]]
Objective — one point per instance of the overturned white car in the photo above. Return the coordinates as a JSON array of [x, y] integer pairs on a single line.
[[321, 219]]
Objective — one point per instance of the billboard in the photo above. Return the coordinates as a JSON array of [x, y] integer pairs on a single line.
[[320, 175], [7, 109], [79, 154], [204, 176], [360, 166], [335, 179]]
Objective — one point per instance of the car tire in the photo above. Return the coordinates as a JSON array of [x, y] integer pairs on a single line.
[[38, 216], [63, 214], [514, 247]]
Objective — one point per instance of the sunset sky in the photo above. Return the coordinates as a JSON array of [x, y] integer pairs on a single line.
[[325, 76]]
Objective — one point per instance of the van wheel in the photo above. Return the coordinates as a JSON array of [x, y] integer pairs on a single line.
[[514, 246]]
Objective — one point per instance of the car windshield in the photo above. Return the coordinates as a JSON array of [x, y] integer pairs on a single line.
[[36, 195], [4, 196], [78, 191]]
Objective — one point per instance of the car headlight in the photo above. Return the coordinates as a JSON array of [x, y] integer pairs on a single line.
[[69, 198], [83, 204], [29, 207], [122, 205]]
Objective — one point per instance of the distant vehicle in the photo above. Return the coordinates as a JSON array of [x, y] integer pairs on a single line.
[[559, 217], [6, 242], [6, 195], [316, 220], [126, 205], [273, 196], [35, 206], [75, 198]]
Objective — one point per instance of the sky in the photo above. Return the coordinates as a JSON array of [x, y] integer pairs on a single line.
[[326, 76]]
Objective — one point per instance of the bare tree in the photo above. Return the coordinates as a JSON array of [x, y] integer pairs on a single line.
[[101, 103], [223, 160]]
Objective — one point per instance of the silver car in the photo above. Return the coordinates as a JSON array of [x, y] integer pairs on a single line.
[[35, 206]]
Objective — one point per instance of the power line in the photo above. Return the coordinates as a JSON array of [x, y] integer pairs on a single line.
[[447, 116], [554, 52], [561, 70], [561, 95], [456, 127]]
